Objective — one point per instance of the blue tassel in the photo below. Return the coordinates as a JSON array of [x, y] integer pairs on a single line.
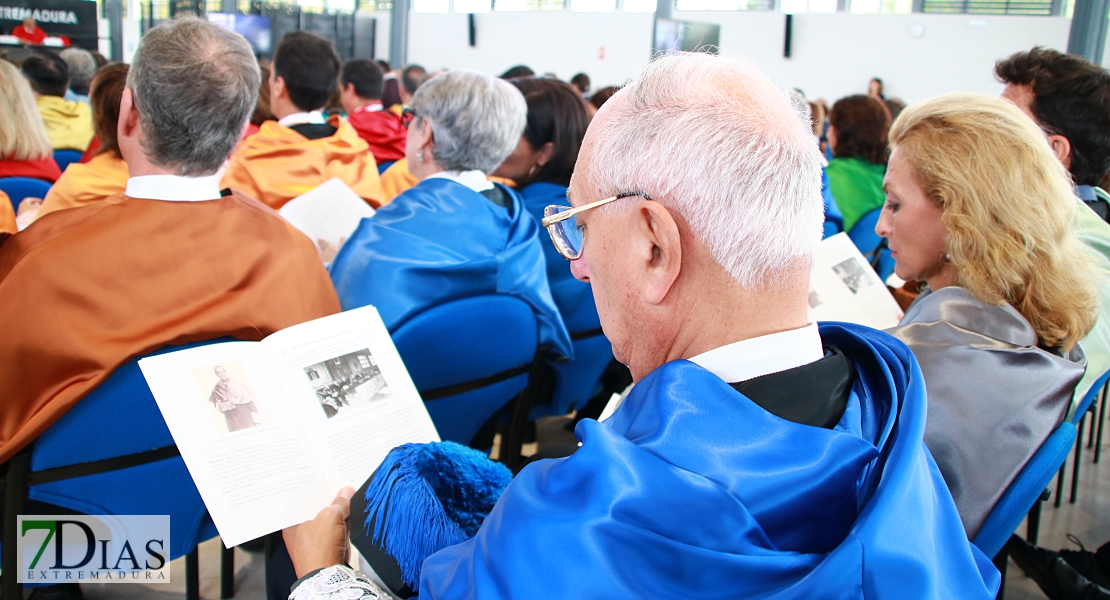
[[425, 497]]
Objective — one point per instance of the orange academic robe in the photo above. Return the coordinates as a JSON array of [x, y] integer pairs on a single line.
[[86, 289], [7, 215], [278, 164], [82, 184]]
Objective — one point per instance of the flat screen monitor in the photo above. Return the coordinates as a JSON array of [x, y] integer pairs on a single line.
[[256, 28], [684, 36]]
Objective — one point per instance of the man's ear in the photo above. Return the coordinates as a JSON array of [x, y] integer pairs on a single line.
[[1061, 147], [659, 228], [128, 122], [277, 88]]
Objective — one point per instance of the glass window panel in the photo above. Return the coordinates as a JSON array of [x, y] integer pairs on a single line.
[[639, 6], [593, 5], [708, 5], [472, 6], [431, 6], [523, 5]]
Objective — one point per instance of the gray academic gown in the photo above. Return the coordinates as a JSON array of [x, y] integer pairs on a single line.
[[994, 396]]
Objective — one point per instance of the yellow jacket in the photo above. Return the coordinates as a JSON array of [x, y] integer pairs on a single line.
[[68, 124], [81, 184]]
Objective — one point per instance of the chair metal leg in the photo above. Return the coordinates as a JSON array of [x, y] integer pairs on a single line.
[[1033, 520], [227, 572], [1101, 420], [1091, 435], [512, 439], [1060, 484], [1076, 460], [15, 494], [1001, 560], [192, 574]]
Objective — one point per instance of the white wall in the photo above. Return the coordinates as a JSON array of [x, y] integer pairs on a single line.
[[833, 54]]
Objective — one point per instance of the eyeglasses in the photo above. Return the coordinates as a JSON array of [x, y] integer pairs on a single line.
[[563, 227], [407, 116]]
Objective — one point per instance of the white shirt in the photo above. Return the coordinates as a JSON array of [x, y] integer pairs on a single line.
[[174, 188], [368, 108], [475, 180], [312, 118], [754, 357]]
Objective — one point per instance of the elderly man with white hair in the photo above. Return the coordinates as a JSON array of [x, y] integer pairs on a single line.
[[759, 454]]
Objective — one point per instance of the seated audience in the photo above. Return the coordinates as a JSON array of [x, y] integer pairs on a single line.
[[979, 209], [518, 71], [412, 76], [24, 146], [68, 123], [360, 86], [417, 252], [858, 127], [540, 169], [601, 96], [106, 173], [82, 67], [29, 33], [384, 66], [261, 112], [895, 107], [170, 261], [302, 150], [875, 88], [581, 82], [758, 455]]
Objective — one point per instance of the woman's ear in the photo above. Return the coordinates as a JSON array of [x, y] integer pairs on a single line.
[[545, 153]]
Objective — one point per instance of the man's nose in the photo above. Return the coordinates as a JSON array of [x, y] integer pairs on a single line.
[[580, 269]]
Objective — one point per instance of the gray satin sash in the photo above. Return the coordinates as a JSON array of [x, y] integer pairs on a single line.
[[994, 396]]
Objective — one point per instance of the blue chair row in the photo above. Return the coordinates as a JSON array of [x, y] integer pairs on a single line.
[[64, 158], [1077, 418], [18, 188], [871, 245], [382, 166]]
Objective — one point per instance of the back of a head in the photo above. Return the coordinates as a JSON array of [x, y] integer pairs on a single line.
[[262, 111], [715, 140], [862, 123], [366, 76], [411, 78], [384, 66], [310, 67], [518, 71], [194, 86], [1008, 210], [581, 81], [1072, 99], [22, 133], [82, 67], [104, 96], [602, 96], [476, 119], [555, 114], [47, 72]]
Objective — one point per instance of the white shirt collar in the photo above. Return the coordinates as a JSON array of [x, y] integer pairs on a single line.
[[763, 355], [174, 188], [368, 108], [475, 180], [313, 118]]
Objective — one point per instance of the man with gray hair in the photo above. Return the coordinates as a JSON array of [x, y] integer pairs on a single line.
[[758, 454], [172, 260], [82, 67]]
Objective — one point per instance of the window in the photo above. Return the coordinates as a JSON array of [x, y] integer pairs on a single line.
[[364, 361], [991, 7], [885, 7], [521, 5], [725, 5], [639, 6], [604, 6], [313, 375], [472, 6], [431, 6], [792, 7]]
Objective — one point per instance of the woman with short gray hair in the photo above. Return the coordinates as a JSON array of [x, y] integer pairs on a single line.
[[455, 234]]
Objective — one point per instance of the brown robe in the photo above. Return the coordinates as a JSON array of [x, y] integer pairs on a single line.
[[86, 289]]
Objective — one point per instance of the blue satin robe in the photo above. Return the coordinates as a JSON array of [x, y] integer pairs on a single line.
[[690, 490], [569, 293], [441, 241]]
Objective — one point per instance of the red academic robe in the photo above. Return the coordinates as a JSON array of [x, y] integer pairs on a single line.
[[382, 131], [34, 36]]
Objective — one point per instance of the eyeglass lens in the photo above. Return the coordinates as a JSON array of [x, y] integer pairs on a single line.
[[567, 232]]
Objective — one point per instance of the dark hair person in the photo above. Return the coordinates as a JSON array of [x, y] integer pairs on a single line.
[[858, 127], [582, 82], [601, 96], [518, 71]]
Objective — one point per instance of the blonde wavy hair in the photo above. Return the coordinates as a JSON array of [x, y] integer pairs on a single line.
[[1009, 210], [22, 133]]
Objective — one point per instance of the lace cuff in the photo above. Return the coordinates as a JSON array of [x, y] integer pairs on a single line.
[[339, 582]]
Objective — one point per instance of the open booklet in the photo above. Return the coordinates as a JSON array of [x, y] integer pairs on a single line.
[[330, 212], [844, 287], [272, 430]]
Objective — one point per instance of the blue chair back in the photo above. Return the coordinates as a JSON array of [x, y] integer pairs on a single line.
[[1025, 490], [121, 418], [1088, 398], [834, 221], [466, 341], [382, 166], [580, 379], [867, 241], [66, 157], [18, 188]]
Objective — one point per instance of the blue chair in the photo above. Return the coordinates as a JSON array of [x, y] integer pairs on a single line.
[[66, 157], [111, 454], [385, 165], [579, 380], [1023, 496], [871, 245], [18, 188], [1077, 418], [470, 358]]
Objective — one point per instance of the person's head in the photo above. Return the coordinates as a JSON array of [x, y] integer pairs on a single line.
[[360, 83], [305, 73], [895, 107], [99, 58], [518, 71], [22, 133], [602, 96], [191, 88], [975, 198], [858, 127], [221, 373], [875, 88], [47, 72], [262, 112], [384, 66], [464, 121], [411, 78], [104, 96], [1069, 98], [557, 122], [82, 67], [29, 23], [721, 215], [581, 81]]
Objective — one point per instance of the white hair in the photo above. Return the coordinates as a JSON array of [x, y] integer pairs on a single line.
[[713, 139]]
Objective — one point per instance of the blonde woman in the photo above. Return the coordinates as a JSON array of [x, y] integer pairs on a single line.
[[978, 207], [24, 148]]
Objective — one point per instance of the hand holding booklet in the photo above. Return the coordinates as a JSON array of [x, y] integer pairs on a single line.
[[272, 430], [327, 214]]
